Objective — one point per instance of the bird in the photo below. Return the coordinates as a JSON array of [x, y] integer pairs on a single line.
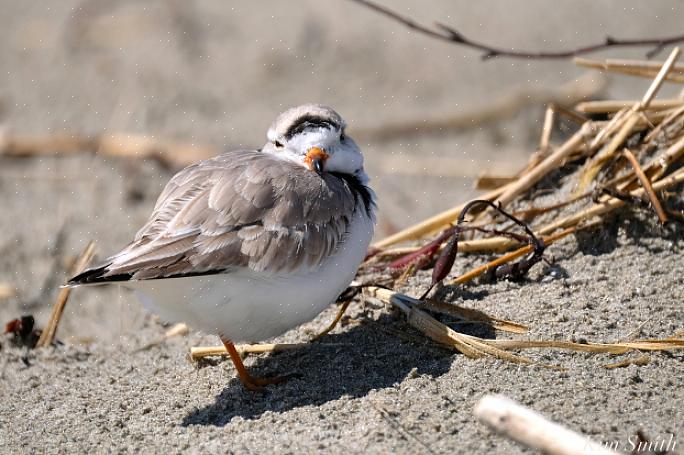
[[252, 243]]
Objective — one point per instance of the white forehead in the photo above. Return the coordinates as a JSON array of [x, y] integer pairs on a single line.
[[285, 121]]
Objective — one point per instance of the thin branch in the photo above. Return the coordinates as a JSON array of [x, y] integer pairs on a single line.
[[446, 33]]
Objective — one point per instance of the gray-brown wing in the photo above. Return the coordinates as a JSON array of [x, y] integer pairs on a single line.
[[240, 209]]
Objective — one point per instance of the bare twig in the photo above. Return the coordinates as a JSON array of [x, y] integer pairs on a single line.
[[446, 33]]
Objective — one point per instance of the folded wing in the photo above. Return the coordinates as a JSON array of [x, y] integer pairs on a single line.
[[242, 209]]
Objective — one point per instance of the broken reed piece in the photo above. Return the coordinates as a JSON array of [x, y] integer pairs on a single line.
[[200, 352], [646, 184], [533, 430], [469, 346], [641, 360], [641, 68], [545, 139], [174, 155], [612, 106], [50, 330]]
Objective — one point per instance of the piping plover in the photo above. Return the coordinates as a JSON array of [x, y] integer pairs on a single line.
[[252, 243]]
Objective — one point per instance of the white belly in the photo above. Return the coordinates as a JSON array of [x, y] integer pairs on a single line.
[[245, 306]]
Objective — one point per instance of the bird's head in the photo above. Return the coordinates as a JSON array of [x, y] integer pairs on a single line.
[[313, 136]]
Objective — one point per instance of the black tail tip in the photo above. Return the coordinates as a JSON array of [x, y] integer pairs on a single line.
[[96, 275]]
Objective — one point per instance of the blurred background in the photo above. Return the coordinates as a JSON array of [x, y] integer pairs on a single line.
[[430, 116]]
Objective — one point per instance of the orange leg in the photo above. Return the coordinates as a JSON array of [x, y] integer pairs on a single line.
[[249, 381]]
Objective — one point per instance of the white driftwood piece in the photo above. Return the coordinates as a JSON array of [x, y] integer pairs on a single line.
[[533, 430]]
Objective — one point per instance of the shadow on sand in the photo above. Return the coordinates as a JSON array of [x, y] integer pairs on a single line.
[[348, 364]]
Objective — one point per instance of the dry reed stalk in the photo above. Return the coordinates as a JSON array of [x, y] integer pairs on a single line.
[[646, 101], [532, 429], [199, 352], [608, 205], [430, 225], [476, 347], [512, 256], [171, 154], [545, 138], [610, 106], [499, 244], [644, 65], [549, 164], [547, 128], [664, 344], [641, 360], [646, 185], [50, 330], [627, 124], [637, 68], [655, 169], [659, 164], [470, 315], [609, 129]]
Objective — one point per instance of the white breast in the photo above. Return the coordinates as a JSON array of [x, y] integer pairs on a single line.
[[246, 306]]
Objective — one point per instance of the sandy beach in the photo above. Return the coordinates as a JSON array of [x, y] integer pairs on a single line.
[[198, 74]]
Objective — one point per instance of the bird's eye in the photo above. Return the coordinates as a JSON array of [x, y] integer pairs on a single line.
[[278, 144]]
